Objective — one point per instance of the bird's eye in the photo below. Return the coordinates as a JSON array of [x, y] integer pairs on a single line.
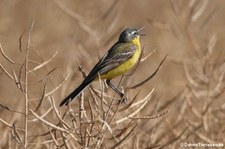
[[133, 32]]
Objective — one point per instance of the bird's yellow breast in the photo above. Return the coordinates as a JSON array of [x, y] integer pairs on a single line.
[[125, 66]]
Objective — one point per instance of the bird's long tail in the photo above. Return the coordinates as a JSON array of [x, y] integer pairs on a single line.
[[75, 93]]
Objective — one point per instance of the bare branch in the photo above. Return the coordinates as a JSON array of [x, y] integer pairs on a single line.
[[145, 101], [9, 125], [5, 56], [6, 72], [17, 82], [57, 112], [44, 63], [150, 117], [52, 91], [42, 97], [16, 134], [26, 105], [119, 144], [10, 109], [20, 41], [147, 56], [129, 105], [43, 115], [150, 77], [47, 123]]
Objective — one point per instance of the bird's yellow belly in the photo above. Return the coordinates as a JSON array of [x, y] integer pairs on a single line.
[[122, 68]]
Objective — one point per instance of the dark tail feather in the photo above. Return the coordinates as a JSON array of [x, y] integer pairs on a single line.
[[75, 93]]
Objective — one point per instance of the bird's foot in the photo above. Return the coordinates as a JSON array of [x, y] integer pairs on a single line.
[[123, 99]]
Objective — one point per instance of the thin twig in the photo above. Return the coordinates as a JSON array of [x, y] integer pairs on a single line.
[[26, 86], [16, 134], [42, 97], [10, 126], [150, 117], [43, 64], [5, 56], [10, 109], [6, 72], [53, 90], [47, 123], [150, 77], [146, 99], [125, 138], [20, 41]]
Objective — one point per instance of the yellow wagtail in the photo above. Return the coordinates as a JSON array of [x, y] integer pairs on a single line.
[[121, 57]]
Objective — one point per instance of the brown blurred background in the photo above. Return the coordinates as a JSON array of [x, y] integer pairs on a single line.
[[191, 33]]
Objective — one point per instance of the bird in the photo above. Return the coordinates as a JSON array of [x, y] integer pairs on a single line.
[[120, 58]]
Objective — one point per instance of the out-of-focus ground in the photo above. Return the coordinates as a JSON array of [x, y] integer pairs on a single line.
[[82, 31]]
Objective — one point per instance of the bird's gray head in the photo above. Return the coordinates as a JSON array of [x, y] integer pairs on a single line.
[[129, 34]]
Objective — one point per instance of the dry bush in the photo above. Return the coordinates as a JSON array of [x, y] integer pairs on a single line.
[[101, 121], [189, 88]]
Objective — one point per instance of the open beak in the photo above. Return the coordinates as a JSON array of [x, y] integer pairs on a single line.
[[141, 34]]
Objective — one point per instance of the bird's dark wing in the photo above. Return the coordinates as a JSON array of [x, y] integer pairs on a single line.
[[119, 53]]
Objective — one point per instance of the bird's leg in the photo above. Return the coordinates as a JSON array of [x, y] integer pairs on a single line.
[[124, 99]]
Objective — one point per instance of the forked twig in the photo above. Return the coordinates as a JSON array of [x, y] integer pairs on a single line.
[[145, 101], [129, 105], [44, 63], [47, 123], [53, 90], [16, 134], [125, 138]]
